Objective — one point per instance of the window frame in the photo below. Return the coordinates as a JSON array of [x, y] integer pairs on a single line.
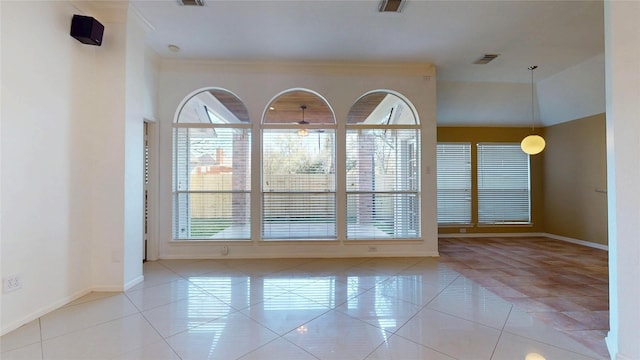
[[416, 194], [332, 235], [203, 112], [340, 193]]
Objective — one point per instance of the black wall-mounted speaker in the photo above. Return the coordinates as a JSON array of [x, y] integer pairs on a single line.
[[87, 30]]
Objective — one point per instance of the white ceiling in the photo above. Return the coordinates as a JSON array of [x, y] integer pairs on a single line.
[[555, 35]]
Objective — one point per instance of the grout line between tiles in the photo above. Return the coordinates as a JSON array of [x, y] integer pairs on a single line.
[[41, 341], [118, 317], [501, 332], [160, 335]]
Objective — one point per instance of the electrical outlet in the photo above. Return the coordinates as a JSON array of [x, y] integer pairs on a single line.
[[463, 230], [373, 249], [12, 283], [225, 250]]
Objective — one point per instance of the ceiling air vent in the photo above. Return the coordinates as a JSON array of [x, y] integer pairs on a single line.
[[486, 59], [391, 5], [191, 2]]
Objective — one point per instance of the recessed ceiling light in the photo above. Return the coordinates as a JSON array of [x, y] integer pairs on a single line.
[[173, 48]]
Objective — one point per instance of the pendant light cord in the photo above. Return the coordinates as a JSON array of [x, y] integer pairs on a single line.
[[303, 107], [533, 118]]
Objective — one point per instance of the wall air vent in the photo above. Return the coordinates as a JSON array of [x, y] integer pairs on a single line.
[[391, 5], [191, 2], [487, 58]]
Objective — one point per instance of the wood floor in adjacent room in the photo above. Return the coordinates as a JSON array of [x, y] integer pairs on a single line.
[[563, 284]]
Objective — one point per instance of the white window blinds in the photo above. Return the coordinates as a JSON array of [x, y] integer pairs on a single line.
[[503, 184], [298, 185], [383, 183], [454, 183], [211, 182]]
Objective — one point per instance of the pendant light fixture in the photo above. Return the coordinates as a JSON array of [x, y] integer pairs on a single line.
[[303, 131], [532, 144]]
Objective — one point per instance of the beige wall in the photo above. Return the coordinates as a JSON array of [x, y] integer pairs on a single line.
[[498, 134], [575, 174], [568, 180]]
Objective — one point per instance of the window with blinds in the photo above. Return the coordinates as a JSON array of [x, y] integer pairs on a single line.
[[298, 197], [212, 168], [298, 183], [383, 169], [503, 184], [212, 173], [298, 168], [454, 183]]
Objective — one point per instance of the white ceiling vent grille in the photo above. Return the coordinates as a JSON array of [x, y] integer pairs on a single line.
[[191, 2], [487, 58], [391, 5]]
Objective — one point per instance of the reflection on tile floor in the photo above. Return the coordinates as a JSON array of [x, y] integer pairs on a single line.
[[563, 284], [367, 308]]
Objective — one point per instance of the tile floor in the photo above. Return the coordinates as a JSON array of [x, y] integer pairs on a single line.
[[563, 284], [374, 308]]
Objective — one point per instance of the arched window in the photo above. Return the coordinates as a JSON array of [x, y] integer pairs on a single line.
[[211, 167], [298, 168], [383, 168]]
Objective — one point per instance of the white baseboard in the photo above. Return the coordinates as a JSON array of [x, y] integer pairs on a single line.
[[133, 282], [107, 288], [43, 311], [483, 235], [614, 353], [551, 236], [7, 328], [579, 242], [303, 255], [612, 347]]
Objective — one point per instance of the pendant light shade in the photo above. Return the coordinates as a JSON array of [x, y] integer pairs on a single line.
[[532, 144]]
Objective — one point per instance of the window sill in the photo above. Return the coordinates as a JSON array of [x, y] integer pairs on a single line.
[[455, 226]]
